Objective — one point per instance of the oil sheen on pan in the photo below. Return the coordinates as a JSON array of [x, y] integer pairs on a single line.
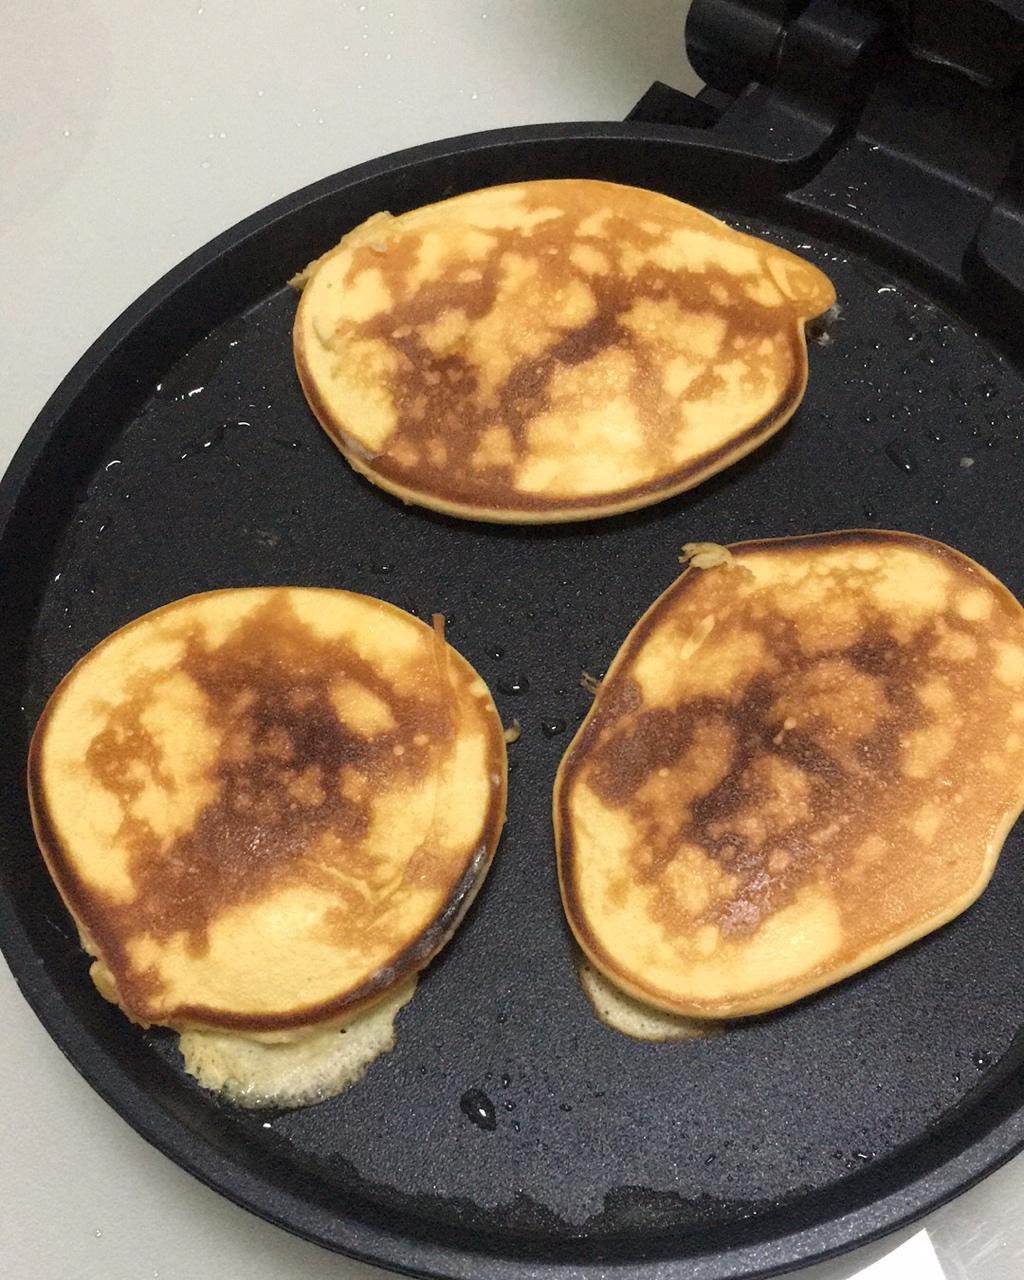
[[805, 756], [267, 807], [553, 350]]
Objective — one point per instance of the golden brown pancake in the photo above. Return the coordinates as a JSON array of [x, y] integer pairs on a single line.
[[804, 757], [267, 807], [552, 350]]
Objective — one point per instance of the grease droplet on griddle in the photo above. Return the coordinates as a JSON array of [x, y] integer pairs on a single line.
[[477, 1107], [901, 458]]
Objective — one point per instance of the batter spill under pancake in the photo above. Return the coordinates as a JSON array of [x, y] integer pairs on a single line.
[[805, 756], [294, 1073], [620, 1011], [267, 808], [552, 350]]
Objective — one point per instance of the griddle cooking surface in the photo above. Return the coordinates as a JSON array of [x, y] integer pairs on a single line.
[[603, 1147]]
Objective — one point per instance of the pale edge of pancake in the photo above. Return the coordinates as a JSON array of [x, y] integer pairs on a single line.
[[300, 1072], [636, 1018], [361, 461], [298, 1026], [765, 1003]]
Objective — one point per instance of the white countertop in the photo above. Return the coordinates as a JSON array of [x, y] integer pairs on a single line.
[[133, 133]]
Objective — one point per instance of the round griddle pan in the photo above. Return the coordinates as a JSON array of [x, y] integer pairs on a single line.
[[179, 456]]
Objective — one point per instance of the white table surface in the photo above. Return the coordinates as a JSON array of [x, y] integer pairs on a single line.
[[130, 134]]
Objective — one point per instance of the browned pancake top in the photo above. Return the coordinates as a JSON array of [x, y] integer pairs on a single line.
[[810, 754], [553, 348], [255, 765]]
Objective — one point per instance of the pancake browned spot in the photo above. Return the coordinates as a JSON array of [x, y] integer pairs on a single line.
[[802, 759], [265, 807], [552, 350]]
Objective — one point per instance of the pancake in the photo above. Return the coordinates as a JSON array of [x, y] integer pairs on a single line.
[[267, 807], [552, 350], [805, 756]]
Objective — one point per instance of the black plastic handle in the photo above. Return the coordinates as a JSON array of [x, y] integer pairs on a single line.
[[855, 110]]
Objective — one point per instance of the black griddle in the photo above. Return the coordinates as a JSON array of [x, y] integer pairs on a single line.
[[179, 456]]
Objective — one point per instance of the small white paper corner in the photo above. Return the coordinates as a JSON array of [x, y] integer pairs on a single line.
[[915, 1259]]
